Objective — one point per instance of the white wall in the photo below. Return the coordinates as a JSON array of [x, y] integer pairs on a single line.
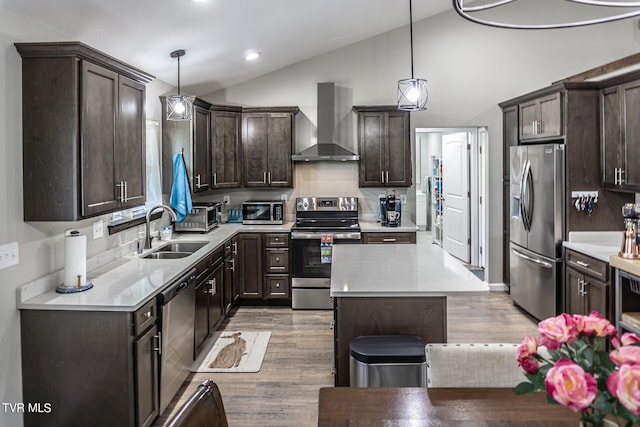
[[470, 69]]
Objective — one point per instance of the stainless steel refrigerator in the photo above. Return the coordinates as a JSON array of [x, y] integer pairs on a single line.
[[536, 229]]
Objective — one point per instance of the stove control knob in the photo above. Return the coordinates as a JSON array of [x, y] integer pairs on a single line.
[[305, 205]]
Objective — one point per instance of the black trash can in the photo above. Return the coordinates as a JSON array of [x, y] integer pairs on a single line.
[[387, 361]]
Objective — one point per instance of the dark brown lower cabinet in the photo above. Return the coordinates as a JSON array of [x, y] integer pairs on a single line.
[[585, 294], [249, 265], [387, 237], [425, 317], [96, 368], [587, 285]]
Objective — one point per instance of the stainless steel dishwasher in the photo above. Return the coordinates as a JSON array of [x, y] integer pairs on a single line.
[[177, 313]]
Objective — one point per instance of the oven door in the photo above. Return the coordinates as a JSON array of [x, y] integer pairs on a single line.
[[310, 277], [306, 262]]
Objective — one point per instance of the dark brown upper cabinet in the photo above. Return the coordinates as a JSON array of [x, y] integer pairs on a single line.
[[226, 147], [83, 124], [541, 118], [193, 139], [620, 109], [384, 140], [267, 139]]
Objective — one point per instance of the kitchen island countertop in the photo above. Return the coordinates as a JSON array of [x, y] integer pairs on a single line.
[[128, 282], [400, 270]]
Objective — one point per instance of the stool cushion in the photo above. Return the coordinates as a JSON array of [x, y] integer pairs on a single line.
[[388, 349]]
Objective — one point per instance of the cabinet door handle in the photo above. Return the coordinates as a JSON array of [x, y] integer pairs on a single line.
[[585, 288], [382, 176], [387, 177], [389, 239], [233, 264], [159, 347], [120, 186], [235, 248], [582, 264], [269, 178], [212, 283], [215, 179], [147, 315], [621, 178], [276, 268], [264, 177], [533, 127], [278, 285]]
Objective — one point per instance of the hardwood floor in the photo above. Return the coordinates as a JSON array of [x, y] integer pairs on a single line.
[[299, 357]]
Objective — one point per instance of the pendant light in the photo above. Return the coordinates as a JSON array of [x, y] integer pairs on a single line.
[[412, 93], [467, 12], [179, 107]]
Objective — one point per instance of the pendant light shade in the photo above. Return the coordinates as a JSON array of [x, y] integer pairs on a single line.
[[179, 106], [412, 93], [629, 9]]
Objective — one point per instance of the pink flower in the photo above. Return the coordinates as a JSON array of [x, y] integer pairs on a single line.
[[628, 338], [627, 355], [625, 385], [529, 364], [527, 348], [594, 324], [557, 330], [571, 386]]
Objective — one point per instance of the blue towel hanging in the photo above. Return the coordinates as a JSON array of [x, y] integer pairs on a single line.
[[180, 191]]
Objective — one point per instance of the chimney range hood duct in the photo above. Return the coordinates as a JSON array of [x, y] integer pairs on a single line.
[[326, 149]]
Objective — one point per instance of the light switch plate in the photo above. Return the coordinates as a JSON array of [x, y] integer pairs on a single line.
[[9, 255], [98, 229]]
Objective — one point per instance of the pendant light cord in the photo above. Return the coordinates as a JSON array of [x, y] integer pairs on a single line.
[[410, 38], [178, 76]]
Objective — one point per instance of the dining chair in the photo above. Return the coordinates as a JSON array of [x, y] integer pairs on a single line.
[[203, 409], [472, 365]]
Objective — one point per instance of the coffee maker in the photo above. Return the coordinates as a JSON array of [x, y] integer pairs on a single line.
[[630, 247], [390, 209]]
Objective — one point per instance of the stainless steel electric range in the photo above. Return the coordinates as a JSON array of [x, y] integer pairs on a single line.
[[336, 220]]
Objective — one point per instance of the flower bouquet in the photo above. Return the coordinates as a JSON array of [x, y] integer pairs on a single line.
[[569, 360]]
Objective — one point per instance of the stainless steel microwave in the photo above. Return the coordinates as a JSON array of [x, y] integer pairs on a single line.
[[202, 218], [263, 212]]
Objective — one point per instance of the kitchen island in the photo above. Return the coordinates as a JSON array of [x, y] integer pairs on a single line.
[[381, 289]]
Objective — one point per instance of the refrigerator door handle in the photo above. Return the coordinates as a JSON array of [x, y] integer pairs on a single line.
[[530, 197], [523, 213], [534, 260], [524, 185]]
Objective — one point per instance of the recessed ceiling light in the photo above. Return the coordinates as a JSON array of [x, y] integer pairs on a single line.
[[252, 56]]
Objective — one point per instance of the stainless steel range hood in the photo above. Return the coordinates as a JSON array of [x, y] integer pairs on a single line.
[[326, 149]]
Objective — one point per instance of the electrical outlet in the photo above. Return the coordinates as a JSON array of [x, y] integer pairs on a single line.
[[283, 197], [98, 229], [226, 199], [9, 255], [403, 199]]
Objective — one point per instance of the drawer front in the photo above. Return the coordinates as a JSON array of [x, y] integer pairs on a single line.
[[389, 237], [202, 268], [278, 286], [279, 240], [277, 260], [587, 265], [144, 317]]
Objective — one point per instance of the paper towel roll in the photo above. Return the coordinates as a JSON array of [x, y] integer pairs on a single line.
[[75, 259]]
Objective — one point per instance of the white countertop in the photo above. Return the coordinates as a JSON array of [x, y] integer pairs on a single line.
[[400, 270], [596, 244], [127, 283]]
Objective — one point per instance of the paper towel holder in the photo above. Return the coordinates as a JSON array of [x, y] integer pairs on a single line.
[[63, 289]]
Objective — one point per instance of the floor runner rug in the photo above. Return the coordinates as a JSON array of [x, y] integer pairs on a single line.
[[236, 351]]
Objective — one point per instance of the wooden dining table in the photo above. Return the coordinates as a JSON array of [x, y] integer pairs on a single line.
[[414, 406]]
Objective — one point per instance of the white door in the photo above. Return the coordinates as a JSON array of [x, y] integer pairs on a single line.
[[455, 186]]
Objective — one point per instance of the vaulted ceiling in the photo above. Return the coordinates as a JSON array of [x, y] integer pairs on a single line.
[[216, 34]]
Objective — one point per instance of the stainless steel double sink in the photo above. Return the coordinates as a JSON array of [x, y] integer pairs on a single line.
[[175, 250]]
